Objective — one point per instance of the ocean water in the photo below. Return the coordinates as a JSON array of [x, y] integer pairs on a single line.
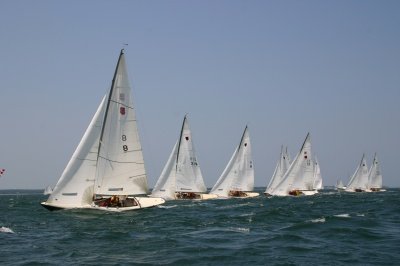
[[330, 228]]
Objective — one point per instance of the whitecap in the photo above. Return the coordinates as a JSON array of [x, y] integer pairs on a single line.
[[166, 207], [344, 215], [239, 229], [6, 230], [318, 220]]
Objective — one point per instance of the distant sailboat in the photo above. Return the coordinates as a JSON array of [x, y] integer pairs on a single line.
[[317, 176], [181, 177], [281, 167], [106, 171], [339, 185], [237, 180], [299, 178], [48, 190], [359, 181], [375, 176]]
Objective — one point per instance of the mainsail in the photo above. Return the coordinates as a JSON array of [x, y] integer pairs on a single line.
[[239, 173]]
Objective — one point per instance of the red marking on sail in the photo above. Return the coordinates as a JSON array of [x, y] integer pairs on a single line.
[[122, 110]]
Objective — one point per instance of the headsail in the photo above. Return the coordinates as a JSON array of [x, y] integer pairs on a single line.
[[317, 175], [74, 189]]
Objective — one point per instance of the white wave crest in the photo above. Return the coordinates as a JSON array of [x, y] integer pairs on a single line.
[[6, 230], [166, 207], [344, 215], [239, 229], [318, 220]]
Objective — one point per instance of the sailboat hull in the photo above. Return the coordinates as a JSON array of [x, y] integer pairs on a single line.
[[143, 202], [194, 196]]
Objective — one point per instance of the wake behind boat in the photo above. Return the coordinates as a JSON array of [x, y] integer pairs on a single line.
[[237, 180], [181, 177], [107, 171]]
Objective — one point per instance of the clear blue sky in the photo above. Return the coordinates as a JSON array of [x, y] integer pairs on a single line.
[[285, 68]]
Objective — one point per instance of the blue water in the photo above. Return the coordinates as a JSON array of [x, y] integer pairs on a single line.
[[330, 228]]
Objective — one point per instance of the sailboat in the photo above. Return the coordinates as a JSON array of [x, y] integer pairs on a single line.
[[181, 177], [375, 176], [299, 178], [107, 171], [339, 185], [48, 190], [317, 176], [280, 170], [359, 181], [237, 180]]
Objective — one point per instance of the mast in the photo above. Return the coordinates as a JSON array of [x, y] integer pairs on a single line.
[[179, 143], [241, 140], [108, 103]]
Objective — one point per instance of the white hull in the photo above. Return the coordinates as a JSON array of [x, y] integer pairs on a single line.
[[309, 192], [143, 202], [196, 196]]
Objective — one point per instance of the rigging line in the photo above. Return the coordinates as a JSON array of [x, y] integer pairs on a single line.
[[117, 161], [127, 106]]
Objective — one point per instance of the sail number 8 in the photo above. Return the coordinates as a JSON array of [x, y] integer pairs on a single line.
[[124, 147]]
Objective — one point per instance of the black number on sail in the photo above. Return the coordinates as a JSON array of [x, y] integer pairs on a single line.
[[123, 137], [125, 147]]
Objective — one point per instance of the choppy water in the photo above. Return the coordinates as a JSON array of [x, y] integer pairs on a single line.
[[326, 229]]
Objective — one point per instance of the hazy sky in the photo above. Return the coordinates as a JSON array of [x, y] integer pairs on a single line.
[[284, 68]]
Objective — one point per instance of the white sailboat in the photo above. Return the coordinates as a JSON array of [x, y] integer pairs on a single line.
[[107, 170], [181, 177], [375, 176], [48, 190], [359, 181], [281, 167], [339, 185], [237, 180], [299, 178], [318, 184]]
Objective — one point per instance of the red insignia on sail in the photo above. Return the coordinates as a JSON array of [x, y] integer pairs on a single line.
[[122, 110]]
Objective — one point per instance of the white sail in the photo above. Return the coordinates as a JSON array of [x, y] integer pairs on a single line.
[[165, 186], [375, 176], [182, 171], [317, 176], [120, 165], [238, 175], [359, 180], [280, 170], [300, 175], [74, 189]]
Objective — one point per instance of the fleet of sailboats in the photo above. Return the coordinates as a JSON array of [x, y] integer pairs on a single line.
[[237, 180], [364, 179], [107, 170]]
